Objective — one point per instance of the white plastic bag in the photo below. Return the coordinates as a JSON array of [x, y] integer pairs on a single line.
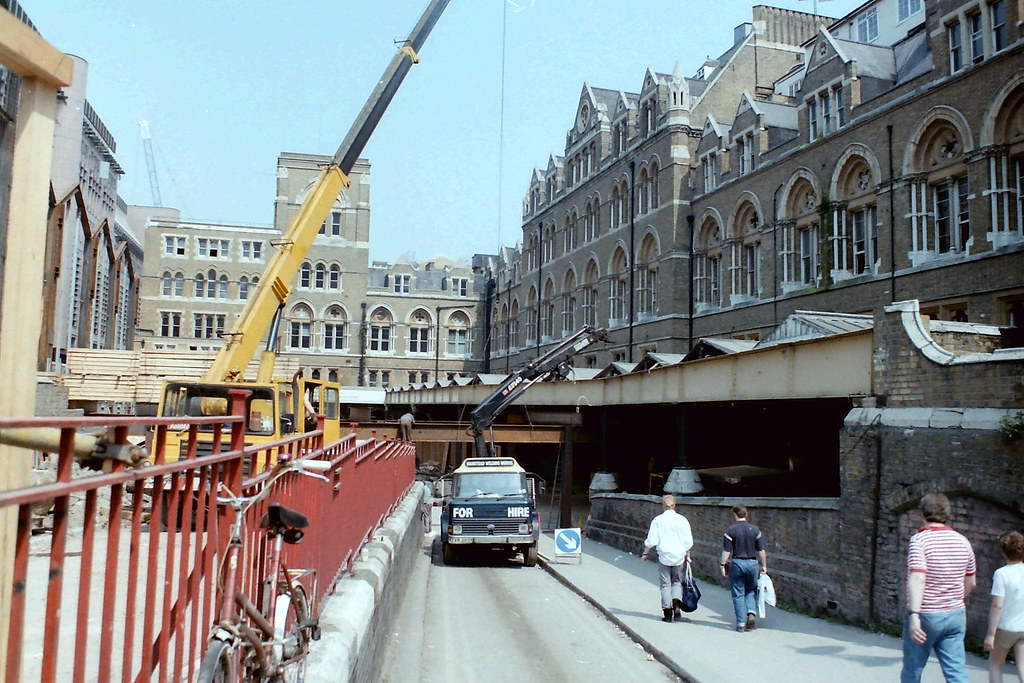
[[765, 594]]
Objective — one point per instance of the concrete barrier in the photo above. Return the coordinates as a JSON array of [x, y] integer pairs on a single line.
[[360, 612]]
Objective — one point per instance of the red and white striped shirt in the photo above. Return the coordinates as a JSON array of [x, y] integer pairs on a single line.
[[945, 557]]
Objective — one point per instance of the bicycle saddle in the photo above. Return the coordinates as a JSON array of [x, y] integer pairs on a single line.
[[281, 520]]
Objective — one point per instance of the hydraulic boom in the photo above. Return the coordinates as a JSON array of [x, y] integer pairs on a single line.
[[553, 362]]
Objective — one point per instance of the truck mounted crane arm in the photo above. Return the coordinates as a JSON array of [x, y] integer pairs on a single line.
[[554, 361], [264, 308]]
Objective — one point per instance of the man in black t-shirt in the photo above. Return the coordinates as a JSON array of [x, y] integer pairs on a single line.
[[743, 552]]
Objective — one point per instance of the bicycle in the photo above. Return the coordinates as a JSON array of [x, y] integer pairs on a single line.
[[270, 642]]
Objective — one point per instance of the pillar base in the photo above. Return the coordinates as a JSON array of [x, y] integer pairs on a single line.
[[683, 480], [603, 482]]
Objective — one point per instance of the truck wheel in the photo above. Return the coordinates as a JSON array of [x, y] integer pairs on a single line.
[[448, 552], [530, 556]]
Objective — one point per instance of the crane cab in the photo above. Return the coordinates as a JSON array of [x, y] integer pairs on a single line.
[[273, 410]]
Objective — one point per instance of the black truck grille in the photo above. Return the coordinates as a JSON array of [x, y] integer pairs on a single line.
[[479, 527]]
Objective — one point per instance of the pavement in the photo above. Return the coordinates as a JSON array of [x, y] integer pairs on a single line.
[[785, 647]]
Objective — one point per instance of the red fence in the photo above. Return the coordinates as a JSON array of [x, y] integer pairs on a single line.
[[123, 584]]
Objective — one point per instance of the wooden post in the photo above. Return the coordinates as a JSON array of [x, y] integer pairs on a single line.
[[43, 69]]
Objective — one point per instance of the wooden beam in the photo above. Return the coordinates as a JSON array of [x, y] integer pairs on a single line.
[[27, 54]]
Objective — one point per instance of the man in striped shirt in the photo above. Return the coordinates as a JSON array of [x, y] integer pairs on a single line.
[[940, 574]]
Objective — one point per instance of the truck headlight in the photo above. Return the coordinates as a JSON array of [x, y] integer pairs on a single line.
[[524, 528], [456, 529]]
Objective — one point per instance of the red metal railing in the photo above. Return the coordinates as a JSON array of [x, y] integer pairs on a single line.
[[124, 585]]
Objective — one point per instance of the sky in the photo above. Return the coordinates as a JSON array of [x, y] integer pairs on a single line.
[[227, 86]]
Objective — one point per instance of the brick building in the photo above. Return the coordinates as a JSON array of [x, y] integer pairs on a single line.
[[830, 165]]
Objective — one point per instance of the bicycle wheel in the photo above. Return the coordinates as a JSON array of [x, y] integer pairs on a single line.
[[218, 664], [289, 614]]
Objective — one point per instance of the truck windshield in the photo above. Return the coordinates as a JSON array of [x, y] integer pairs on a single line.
[[490, 484]]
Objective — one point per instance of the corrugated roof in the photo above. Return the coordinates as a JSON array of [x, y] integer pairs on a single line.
[[813, 324]]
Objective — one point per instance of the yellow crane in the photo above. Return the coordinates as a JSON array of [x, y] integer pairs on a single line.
[[278, 406]]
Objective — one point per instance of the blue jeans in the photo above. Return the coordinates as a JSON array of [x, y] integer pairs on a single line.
[[670, 580], [743, 575], [945, 631]]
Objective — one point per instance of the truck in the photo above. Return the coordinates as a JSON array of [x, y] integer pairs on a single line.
[[277, 406], [491, 502]]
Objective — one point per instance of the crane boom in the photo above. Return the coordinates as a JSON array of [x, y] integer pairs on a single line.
[[554, 361], [264, 307]]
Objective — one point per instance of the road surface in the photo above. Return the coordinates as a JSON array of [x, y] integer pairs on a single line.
[[490, 618]]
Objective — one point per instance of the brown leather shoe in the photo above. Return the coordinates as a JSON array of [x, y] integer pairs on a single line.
[[750, 621], [741, 629]]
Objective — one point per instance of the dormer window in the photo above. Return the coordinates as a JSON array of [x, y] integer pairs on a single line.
[[867, 26]]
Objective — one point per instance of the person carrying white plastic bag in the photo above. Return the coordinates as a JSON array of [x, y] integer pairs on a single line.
[[765, 594]]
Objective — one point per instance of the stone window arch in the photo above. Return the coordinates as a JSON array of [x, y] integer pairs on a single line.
[[300, 328], [335, 329], [801, 235], [591, 276], [707, 264], [420, 324], [744, 253], [381, 330], [939, 188], [647, 277], [617, 296], [547, 311], [569, 303]]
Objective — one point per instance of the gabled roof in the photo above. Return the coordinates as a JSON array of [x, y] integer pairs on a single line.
[[576, 374], [653, 360], [813, 324], [489, 378], [615, 369], [710, 347]]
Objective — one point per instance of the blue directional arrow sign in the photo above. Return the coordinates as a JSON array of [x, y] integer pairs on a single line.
[[568, 542]]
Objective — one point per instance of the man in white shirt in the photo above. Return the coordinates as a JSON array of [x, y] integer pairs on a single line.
[[670, 534]]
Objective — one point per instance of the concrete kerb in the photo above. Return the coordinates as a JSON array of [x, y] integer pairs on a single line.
[[352, 614], [661, 657]]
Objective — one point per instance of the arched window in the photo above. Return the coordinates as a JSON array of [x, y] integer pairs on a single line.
[[419, 331], [301, 328], [589, 291], [211, 284], [644, 197], [320, 276], [243, 288], [381, 324], [305, 275], [707, 265], [167, 283], [547, 311], [179, 284], [744, 254], [334, 278], [200, 285], [939, 195], [569, 304], [458, 334], [222, 287], [647, 277], [854, 237], [617, 291], [335, 329], [513, 327]]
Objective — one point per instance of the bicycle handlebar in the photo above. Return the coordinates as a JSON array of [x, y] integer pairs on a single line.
[[306, 466]]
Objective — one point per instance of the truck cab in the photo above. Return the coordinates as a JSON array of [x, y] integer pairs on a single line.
[[490, 503]]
